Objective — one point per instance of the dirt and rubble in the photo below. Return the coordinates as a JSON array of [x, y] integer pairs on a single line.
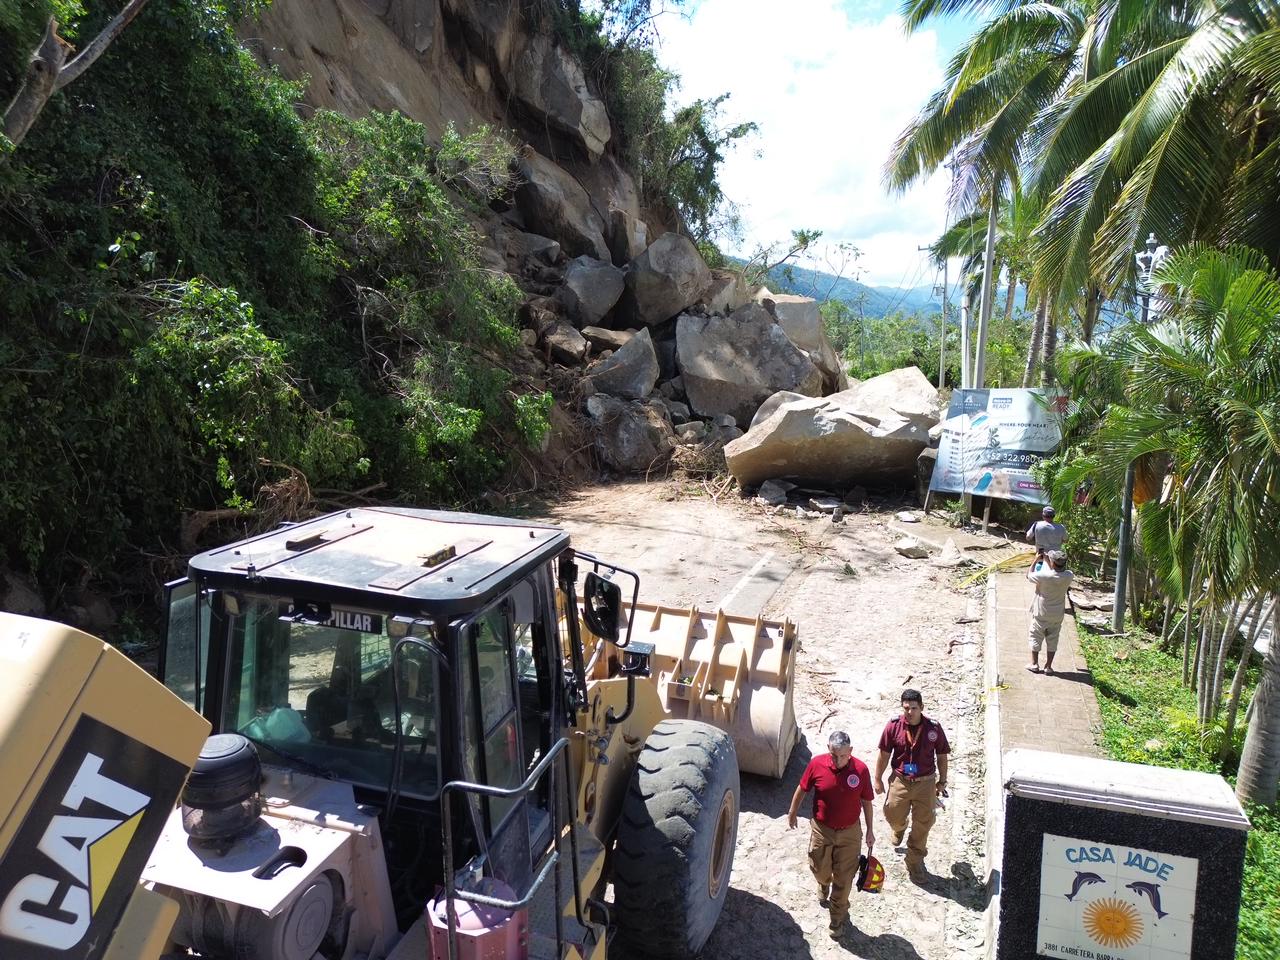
[[871, 622]]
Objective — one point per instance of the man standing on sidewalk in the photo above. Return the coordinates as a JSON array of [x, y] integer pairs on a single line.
[[842, 788], [1046, 534], [1052, 581], [917, 750]]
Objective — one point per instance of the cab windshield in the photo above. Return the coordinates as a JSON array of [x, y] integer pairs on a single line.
[[316, 691]]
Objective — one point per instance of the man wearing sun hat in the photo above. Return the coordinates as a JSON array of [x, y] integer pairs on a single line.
[[1052, 581]]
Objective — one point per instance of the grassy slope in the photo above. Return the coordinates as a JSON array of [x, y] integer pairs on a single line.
[[1148, 717]]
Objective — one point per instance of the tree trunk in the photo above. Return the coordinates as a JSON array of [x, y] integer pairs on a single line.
[[989, 280], [37, 86], [1011, 295], [1092, 304], [1200, 669], [1050, 346], [1237, 682], [1033, 348], [1229, 634], [1260, 761], [48, 72]]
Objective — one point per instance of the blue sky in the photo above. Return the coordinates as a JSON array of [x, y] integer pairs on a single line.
[[831, 83]]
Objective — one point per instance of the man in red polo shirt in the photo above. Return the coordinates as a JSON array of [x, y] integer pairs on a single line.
[[918, 751], [842, 789]]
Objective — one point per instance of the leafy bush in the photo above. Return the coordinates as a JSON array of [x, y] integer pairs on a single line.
[[1148, 717], [202, 289]]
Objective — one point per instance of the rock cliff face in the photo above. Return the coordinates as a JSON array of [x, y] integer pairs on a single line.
[[464, 62], [623, 322]]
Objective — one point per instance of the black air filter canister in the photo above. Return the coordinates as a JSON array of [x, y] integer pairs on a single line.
[[221, 799]]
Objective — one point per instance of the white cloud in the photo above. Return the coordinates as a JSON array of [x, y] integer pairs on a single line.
[[830, 90]]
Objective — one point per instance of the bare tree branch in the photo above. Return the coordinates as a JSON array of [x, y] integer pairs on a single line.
[[49, 71], [98, 44]]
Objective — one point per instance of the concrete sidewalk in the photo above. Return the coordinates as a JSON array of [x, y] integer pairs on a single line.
[[1059, 712]]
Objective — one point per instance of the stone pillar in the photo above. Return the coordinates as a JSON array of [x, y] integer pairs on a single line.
[[1117, 861]]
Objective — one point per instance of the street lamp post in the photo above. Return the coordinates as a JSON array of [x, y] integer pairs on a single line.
[[1146, 261]]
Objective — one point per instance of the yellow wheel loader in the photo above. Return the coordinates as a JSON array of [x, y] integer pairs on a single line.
[[435, 735]]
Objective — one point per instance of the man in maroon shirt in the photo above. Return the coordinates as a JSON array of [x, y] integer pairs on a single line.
[[842, 788], [918, 751]]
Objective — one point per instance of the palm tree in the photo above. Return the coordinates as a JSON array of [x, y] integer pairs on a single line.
[[1005, 76], [1200, 392], [1176, 135], [965, 240]]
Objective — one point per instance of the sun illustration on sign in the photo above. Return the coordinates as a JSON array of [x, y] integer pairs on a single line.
[[1113, 923]]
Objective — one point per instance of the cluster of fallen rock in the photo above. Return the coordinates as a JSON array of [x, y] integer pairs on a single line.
[[658, 356], [673, 360]]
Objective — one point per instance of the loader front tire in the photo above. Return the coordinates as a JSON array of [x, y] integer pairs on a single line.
[[676, 840]]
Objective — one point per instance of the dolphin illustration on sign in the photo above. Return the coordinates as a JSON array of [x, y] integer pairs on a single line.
[[1083, 879], [1152, 892]]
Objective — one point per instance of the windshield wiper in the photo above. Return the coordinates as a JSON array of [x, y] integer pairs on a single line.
[[309, 766]]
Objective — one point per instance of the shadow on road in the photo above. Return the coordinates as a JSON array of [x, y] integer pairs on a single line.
[[962, 885], [773, 797], [755, 927], [886, 946]]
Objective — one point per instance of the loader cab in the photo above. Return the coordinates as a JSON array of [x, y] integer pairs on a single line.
[[396, 651]]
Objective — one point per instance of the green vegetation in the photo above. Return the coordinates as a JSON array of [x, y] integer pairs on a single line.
[[205, 294], [874, 345], [674, 154], [1149, 717], [1073, 131]]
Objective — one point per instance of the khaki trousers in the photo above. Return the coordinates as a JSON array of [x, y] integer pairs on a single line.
[[917, 798], [833, 858]]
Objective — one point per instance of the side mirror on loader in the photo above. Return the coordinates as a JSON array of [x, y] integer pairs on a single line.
[[602, 608]]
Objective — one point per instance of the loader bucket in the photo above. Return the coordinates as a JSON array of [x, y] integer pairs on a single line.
[[733, 672]]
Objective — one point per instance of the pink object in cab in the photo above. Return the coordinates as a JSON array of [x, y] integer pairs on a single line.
[[484, 932]]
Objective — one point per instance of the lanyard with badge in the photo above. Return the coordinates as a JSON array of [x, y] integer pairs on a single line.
[[911, 769]]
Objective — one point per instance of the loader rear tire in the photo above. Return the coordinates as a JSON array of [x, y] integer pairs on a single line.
[[676, 840]]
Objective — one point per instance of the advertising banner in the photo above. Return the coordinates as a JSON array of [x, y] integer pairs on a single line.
[[992, 438]]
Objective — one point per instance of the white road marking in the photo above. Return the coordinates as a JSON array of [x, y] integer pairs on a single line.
[[746, 580]]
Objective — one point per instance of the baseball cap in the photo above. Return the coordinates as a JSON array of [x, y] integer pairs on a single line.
[[1048, 511], [1057, 557]]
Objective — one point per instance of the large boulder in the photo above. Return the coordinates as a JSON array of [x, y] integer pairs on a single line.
[[604, 339], [630, 371], [726, 292], [802, 319], [591, 288], [766, 409], [630, 437], [554, 205], [564, 343], [872, 433], [668, 277], [628, 235], [549, 81], [730, 365], [518, 245]]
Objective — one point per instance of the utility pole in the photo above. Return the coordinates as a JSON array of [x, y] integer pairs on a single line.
[[1147, 261], [942, 340], [966, 371], [942, 334], [988, 288]]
